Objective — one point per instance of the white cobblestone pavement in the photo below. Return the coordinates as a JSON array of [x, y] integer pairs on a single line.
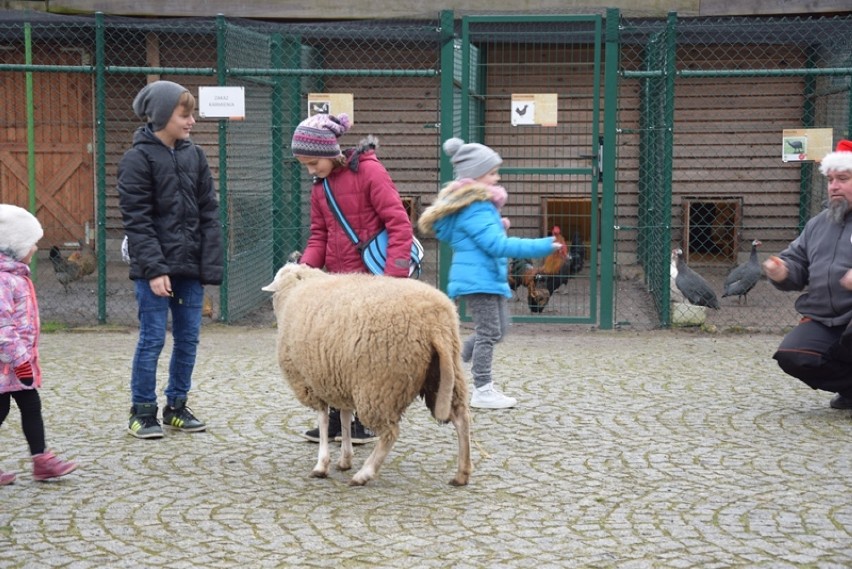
[[667, 449]]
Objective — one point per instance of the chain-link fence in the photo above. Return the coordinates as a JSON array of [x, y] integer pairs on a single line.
[[75, 79], [703, 106], [530, 88], [699, 107]]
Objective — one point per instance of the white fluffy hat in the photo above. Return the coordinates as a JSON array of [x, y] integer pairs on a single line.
[[19, 231], [840, 159]]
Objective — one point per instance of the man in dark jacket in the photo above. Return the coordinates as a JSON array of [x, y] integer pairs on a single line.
[[174, 241], [819, 350]]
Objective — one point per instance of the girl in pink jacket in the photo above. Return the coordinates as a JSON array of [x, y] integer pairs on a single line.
[[369, 200], [20, 373]]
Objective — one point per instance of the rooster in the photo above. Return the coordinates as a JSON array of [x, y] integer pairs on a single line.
[[553, 272], [74, 267], [577, 253], [85, 258], [517, 269]]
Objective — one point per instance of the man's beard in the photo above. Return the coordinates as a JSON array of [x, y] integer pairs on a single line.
[[837, 209]]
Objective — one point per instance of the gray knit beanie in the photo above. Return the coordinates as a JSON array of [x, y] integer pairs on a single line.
[[19, 231], [471, 160], [157, 101]]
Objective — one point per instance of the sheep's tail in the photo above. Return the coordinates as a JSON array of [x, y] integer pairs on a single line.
[[446, 380]]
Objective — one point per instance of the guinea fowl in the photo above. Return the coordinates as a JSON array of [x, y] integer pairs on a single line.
[[674, 293], [742, 278], [694, 288]]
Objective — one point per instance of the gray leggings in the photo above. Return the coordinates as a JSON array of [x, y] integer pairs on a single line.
[[490, 319]]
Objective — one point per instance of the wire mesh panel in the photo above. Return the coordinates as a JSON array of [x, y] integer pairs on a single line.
[[248, 195], [389, 73], [724, 90], [530, 90], [46, 131]]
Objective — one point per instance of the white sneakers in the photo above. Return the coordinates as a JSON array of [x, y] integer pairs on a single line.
[[487, 397]]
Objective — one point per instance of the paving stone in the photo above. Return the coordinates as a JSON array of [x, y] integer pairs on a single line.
[[660, 449]]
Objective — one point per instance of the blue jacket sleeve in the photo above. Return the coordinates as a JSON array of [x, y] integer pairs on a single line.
[[483, 225]]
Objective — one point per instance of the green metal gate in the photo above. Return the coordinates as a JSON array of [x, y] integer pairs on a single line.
[[531, 87]]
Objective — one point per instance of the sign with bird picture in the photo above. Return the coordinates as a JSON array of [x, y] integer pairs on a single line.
[[534, 109], [331, 104], [805, 144]]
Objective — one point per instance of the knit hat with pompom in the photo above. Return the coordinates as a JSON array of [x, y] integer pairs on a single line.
[[19, 231], [840, 159], [317, 135], [471, 160]]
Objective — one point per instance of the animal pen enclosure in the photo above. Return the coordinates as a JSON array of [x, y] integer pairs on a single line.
[[662, 133]]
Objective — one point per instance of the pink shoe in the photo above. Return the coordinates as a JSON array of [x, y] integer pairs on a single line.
[[6, 478], [48, 465]]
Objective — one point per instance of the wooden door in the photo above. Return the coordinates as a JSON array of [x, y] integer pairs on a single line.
[[63, 118]]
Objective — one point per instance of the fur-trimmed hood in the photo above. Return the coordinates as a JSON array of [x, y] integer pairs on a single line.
[[456, 196], [353, 155]]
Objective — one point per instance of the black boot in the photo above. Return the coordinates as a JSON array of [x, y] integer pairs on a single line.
[[361, 435], [333, 428]]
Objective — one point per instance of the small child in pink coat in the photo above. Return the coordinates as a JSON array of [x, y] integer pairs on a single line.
[[20, 373]]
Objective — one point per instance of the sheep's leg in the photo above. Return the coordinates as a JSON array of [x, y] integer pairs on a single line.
[[346, 452], [324, 455], [371, 467], [461, 421]]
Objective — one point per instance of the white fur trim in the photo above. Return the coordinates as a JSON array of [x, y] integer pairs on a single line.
[[19, 231], [836, 161]]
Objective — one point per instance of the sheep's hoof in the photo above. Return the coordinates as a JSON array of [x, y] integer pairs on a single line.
[[319, 474], [356, 482], [344, 465], [459, 481]]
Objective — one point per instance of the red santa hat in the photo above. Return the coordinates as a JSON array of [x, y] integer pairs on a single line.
[[840, 159]]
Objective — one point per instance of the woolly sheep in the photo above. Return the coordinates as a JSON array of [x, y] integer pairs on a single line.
[[370, 344]]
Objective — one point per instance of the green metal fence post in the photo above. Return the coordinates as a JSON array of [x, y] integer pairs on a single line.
[[669, 75], [224, 214], [611, 63], [100, 163], [464, 118], [448, 55], [647, 125], [31, 178], [293, 94], [277, 152]]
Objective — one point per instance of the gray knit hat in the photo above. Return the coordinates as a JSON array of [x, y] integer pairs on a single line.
[[471, 160], [157, 101], [19, 231]]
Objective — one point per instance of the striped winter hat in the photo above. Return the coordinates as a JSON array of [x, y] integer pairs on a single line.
[[317, 135], [840, 159]]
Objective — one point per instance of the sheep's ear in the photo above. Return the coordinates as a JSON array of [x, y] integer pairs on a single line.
[[276, 282]]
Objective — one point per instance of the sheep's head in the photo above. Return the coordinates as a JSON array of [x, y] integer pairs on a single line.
[[289, 275]]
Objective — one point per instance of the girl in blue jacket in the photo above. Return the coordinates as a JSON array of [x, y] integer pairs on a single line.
[[466, 215]]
